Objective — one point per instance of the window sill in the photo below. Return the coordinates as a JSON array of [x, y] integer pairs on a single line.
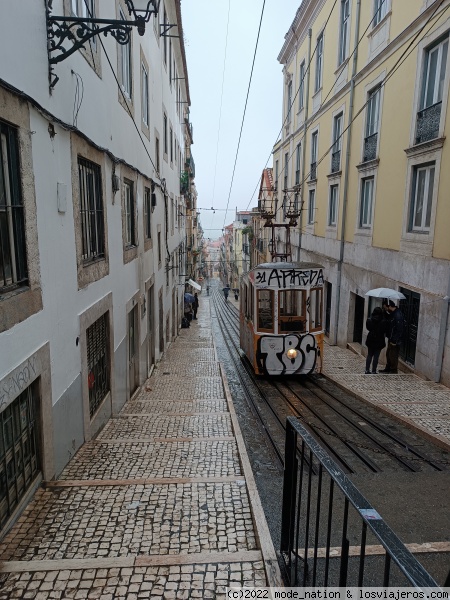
[[425, 147], [368, 165], [335, 175], [379, 25], [10, 293]]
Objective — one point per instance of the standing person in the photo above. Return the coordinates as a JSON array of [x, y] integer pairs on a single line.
[[375, 341], [225, 293], [195, 306], [396, 331]]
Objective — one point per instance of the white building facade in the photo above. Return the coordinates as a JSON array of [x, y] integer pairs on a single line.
[[92, 233]]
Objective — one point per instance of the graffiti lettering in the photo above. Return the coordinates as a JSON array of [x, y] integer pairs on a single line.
[[288, 278], [15, 383], [272, 359]]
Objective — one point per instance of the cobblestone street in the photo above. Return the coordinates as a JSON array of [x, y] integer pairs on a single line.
[[162, 504]]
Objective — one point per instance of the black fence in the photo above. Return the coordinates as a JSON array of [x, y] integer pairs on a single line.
[[330, 534]]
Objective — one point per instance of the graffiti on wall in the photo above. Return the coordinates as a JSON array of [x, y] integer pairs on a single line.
[[279, 278], [16, 382], [272, 359]]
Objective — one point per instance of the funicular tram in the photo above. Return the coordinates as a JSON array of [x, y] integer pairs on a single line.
[[281, 326]]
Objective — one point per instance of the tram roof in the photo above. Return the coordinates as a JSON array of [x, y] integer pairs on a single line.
[[304, 266]]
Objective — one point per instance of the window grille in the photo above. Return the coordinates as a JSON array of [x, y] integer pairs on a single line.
[[91, 209], [130, 238], [13, 261], [372, 119], [19, 456], [97, 336]]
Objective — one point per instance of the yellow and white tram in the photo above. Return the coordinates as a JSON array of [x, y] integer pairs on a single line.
[[281, 327]]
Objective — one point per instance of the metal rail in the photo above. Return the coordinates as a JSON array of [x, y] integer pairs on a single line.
[[309, 513]]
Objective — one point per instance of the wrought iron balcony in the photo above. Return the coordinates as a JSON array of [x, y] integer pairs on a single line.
[[336, 161], [190, 165], [428, 121], [370, 147], [313, 171]]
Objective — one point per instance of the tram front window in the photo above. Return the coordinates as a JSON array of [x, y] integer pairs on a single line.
[[265, 310], [292, 310]]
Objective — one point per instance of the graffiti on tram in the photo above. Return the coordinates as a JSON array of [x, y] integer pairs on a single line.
[[272, 359], [279, 278]]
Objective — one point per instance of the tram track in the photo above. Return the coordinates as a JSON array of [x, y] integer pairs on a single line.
[[357, 437]]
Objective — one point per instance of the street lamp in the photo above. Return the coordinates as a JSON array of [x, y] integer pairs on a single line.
[[80, 30]]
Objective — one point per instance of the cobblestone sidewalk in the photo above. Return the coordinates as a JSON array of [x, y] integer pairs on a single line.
[[422, 405], [161, 505]]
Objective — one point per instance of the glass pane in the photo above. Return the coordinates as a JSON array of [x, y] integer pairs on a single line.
[[265, 309], [431, 77], [429, 197], [315, 310], [420, 188], [442, 70]]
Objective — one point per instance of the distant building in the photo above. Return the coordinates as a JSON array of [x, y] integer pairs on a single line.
[[364, 143]]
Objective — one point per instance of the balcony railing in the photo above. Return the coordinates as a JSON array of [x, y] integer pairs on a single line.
[[428, 121], [190, 165], [313, 171], [370, 147], [336, 161]]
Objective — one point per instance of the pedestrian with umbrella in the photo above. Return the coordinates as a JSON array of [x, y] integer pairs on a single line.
[[188, 302], [226, 291]]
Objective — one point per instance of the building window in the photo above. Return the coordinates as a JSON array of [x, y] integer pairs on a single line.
[[145, 114], [130, 235], [301, 87], [429, 115], [265, 310], [297, 164], [125, 64], [314, 148], [319, 63], [171, 144], [170, 62], [380, 9], [365, 211], [337, 144], [13, 256], [422, 198], [275, 185], [344, 30], [165, 22], [315, 309], [159, 248], [165, 136], [373, 112], [286, 170], [157, 153], [147, 212], [289, 102], [97, 339], [19, 451], [332, 208], [82, 8], [91, 209], [311, 206]]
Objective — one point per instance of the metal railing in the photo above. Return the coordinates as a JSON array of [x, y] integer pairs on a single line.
[[428, 121], [336, 161], [323, 514], [370, 147]]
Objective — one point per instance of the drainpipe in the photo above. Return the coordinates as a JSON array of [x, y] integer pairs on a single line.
[[445, 309], [347, 165], [305, 128]]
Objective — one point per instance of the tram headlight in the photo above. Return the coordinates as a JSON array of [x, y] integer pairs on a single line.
[[292, 353]]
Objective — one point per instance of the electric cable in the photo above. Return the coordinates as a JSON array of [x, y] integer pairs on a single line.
[[245, 107]]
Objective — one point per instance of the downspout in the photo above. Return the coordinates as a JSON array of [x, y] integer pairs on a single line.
[[347, 164], [445, 309], [305, 128]]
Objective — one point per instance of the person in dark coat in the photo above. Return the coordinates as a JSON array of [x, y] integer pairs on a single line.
[[396, 331], [195, 306], [375, 341]]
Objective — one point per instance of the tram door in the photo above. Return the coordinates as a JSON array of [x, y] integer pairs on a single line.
[[410, 308], [358, 325], [328, 307]]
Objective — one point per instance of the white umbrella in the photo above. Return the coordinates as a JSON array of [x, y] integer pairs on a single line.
[[194, 284], [386, 293]]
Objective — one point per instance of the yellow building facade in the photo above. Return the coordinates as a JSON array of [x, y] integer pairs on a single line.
[[364, 146]]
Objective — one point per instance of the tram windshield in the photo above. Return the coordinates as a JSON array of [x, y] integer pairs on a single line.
[[292, 305], [265, 310]]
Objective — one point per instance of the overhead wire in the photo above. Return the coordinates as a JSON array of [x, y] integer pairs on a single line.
[[245, 107], [221, 105]]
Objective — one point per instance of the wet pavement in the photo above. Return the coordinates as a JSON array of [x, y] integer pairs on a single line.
[[162, 504]]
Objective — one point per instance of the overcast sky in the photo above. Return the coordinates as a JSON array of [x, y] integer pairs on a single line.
[[205, 28]]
